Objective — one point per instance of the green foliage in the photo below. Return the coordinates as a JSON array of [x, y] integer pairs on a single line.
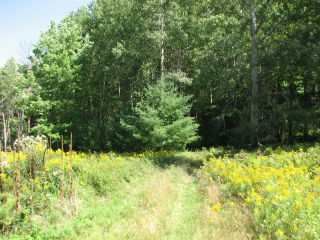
[[15, 90], [160, 120], [56, 66], [86, 69]]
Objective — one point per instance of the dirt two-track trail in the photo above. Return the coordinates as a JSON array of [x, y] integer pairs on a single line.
[[167, 204]]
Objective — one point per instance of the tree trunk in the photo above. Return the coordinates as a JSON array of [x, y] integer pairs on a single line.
[[162, 25], [305, 106], [290, 120], [254, 77], [290, 134], [9, 129], [5, 137], [18, 177], [283, 132], [29, 125]]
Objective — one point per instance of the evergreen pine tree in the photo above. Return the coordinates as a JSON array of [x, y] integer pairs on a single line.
[[160, 120]]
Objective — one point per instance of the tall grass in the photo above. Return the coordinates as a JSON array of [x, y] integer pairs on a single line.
[[1, 171], [281, 188], [37, 177], [215, 194]]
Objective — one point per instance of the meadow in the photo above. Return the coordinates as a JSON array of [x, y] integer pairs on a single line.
[[281, 188], [216, 193]]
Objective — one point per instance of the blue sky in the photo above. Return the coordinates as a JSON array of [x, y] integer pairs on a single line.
[[21, 22]]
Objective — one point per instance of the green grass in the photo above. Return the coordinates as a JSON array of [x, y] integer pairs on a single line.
[[280, 186], [152, 196]]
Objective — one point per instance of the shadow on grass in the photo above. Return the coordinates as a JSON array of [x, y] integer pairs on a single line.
[[189, 161]]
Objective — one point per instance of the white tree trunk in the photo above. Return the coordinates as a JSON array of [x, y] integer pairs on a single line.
[[162, 26], [254, 76], [5, 135]]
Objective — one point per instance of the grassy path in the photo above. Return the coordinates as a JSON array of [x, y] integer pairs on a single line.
[[168, 204]]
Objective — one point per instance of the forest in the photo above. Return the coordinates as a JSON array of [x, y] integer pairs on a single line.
[[165, 120], [234, 73]]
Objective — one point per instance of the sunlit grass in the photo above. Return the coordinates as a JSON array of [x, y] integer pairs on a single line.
[[282, 189], [210, 194]]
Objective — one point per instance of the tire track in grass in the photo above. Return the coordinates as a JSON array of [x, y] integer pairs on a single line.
[[167, 205]]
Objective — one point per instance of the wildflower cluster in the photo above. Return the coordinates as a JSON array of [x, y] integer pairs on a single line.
[[47, 169], [282, 189], [34, 178]]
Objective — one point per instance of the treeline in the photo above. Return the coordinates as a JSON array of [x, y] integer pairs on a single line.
[[251, 67]]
